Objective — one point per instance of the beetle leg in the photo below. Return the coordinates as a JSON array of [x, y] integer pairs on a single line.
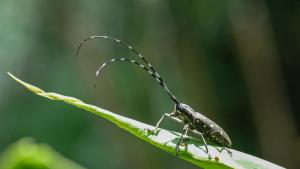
[[203, 139], [185, 136], [158, 123], [172, 115], [228, 151], [174, 118], [160, 120], [184, 132]]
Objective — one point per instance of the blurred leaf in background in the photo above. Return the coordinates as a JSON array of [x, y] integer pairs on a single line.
[[27, 154], [237, 62]]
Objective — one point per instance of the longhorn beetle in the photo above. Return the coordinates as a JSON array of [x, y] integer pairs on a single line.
[[193, 121]]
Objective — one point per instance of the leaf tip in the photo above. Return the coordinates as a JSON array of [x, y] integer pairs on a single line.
[[28, 86]]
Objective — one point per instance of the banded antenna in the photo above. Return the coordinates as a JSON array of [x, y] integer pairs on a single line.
[[157, 76], [122, 43], [160, 82]]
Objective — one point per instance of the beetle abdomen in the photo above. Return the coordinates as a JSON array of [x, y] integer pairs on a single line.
[[211, 130]]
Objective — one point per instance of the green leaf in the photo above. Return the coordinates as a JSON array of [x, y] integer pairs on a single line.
[[26, 153], [165, 139]]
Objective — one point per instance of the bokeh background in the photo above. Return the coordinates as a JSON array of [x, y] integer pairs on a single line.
[[238, 62]]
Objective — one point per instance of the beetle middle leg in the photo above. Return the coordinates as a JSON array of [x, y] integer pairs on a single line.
[[183, 134]]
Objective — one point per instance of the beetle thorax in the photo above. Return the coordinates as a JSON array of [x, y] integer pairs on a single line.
[[185, 111]]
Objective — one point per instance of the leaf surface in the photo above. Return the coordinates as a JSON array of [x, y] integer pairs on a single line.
[[166, 140]]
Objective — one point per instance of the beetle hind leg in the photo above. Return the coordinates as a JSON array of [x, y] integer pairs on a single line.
[[226, 149], [204, 142]]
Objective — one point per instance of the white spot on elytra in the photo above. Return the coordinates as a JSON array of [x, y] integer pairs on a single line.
[[211, 125]]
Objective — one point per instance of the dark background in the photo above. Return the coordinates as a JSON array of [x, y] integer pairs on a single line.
[[236, 61]]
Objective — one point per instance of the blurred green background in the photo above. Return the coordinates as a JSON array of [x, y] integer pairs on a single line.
[[238, 62]]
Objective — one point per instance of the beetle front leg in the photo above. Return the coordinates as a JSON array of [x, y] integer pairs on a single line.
[[172, 114], [158, 123], [160, 120]]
